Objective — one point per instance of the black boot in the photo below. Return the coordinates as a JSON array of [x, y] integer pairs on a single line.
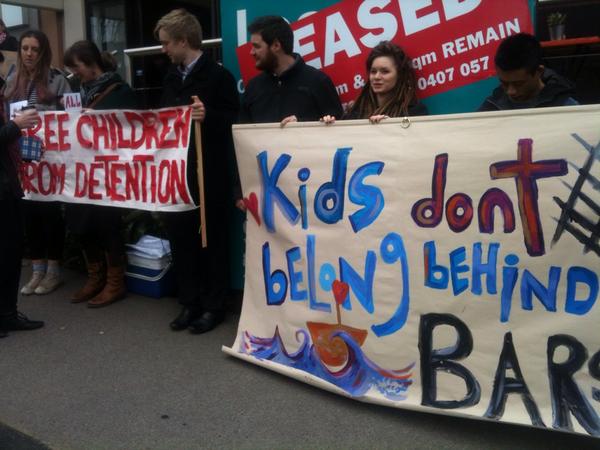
[[206, 322], [183, 320]]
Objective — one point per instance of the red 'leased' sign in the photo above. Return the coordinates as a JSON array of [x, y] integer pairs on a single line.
[[451, 42]]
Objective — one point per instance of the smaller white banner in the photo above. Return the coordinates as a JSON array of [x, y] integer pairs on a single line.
[[124, 158]]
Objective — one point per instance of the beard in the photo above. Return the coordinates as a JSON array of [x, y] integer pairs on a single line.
[[269, 63]]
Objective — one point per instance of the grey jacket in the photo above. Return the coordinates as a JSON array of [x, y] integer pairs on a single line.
[[57, 84]]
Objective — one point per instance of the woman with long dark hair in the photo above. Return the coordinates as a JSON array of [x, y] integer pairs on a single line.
[[42, 87], [390, 89], [99, 227]]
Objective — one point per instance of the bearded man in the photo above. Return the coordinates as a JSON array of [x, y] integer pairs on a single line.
[[287, 90]]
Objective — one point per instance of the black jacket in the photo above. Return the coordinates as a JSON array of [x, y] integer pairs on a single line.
[[557, 91], [216, 88], [9, 180], [301, 90]]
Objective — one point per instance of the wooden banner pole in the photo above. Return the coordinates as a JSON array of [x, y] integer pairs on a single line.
[[200, 173]]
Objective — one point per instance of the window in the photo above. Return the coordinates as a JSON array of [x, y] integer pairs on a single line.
[[107, 27]]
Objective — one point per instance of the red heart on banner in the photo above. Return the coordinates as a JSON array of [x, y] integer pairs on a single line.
[[340, 291], [251, 203]]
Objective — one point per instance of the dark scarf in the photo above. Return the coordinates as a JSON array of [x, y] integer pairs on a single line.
[[91, 90]]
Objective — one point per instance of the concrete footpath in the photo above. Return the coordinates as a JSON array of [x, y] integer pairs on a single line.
[[118, 378]]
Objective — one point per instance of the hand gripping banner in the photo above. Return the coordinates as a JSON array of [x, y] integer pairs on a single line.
[[450, 264]]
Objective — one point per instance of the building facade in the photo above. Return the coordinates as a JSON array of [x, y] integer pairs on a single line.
[[123, 27]]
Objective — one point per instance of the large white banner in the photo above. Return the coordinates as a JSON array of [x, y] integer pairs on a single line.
[[450, 264], [130, 159]]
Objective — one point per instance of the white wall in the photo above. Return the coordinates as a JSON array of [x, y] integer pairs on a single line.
[[74, 21]]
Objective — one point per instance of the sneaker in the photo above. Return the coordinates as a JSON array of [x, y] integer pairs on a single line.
[[51, 281], [18, 322], [33, 283]]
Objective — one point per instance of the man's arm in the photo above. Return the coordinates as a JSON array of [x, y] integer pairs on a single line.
[[327, 98], [245, 115], [224, 112], [9, 132], [486, 106]]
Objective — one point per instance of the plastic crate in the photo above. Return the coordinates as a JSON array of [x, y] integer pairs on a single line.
[[150, 281]]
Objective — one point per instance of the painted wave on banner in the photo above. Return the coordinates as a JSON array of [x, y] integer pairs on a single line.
[[332, 351], [356, 376]]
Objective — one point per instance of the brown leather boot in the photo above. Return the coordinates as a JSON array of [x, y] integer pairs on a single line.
[[114, 290], [94, 284]]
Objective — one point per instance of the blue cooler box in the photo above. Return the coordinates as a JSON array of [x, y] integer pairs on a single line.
[[150, 277]]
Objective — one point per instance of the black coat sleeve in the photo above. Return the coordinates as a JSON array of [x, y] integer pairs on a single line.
[[224, 111], [486, 106], [245, 116], [221, 113], [418, 109], [327, 98], [9, 133]]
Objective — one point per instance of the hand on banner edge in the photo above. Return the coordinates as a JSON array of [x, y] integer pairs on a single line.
[[198, 109], [327, 120], [287, 120], [239, 204], [378, 118]]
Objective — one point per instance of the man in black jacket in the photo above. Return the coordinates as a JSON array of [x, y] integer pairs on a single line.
[[287, 90], [524, 81], [196, 80], [11, 228]]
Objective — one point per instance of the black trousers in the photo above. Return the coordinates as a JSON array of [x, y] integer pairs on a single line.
[[99, 231], [44, 229], [11, 252], [202, 274]]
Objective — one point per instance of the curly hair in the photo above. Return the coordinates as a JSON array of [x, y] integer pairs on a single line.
[[40, 73], [404, 93]]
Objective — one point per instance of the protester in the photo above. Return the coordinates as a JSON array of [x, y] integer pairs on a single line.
[[202, 273], [390, 90], [11, 232], [99, 228], [287, 90], [524, 81], [7, 42], [42, 87]]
